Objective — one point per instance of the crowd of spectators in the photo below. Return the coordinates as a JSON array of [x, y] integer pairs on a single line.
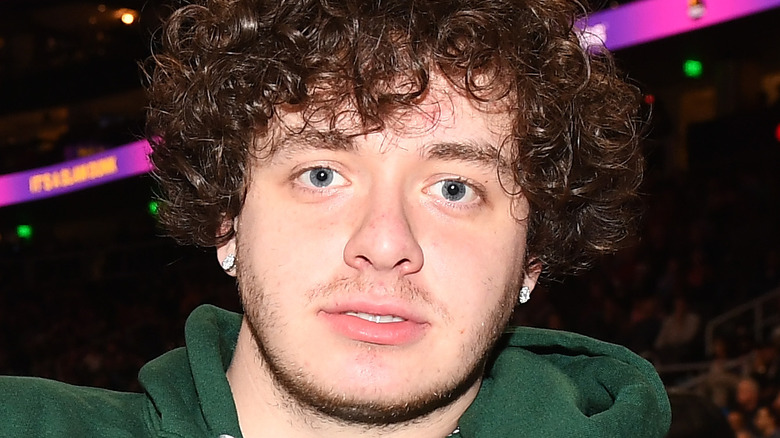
[[101, 332], [707, 246], [89, 301]]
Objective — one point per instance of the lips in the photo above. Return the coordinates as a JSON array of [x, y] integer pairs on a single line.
[[382, 324]]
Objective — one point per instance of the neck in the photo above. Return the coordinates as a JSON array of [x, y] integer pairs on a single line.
[[264, 409]]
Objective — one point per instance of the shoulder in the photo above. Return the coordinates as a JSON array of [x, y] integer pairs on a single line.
[[46, 408], [553, 383]]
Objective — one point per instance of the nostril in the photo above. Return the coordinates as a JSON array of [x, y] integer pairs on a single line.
[[362, 261], [402, 262]]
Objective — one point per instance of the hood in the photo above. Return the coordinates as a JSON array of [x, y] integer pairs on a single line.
[[188, 390], [547, 383]]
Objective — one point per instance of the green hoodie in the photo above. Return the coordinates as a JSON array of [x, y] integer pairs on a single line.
[[542, 384]]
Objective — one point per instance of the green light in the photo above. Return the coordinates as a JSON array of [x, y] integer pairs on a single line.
[[24, 232], [153, 208], [692, 68]]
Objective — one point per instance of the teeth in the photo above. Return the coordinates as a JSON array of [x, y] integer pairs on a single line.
[[380, 319]]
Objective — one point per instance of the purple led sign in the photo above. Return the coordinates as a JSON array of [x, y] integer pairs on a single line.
[[647, 20], [122, 162]]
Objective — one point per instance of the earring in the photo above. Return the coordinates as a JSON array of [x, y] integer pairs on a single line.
[[229, 263], [525, 295]]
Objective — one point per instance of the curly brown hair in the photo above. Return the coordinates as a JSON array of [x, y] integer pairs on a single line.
[[225, 66]]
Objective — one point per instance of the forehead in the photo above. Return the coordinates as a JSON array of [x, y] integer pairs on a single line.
[[443, 112]]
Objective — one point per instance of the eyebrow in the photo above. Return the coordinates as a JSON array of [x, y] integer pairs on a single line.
[[480, 153], [309, 140]]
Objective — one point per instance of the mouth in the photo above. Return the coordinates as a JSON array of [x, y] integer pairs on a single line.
[[378, 319], [379, 324]]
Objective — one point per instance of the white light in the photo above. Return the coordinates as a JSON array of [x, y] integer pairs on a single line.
[[126, 15]]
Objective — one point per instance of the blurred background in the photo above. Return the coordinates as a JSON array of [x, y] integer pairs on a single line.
[[90, 290]]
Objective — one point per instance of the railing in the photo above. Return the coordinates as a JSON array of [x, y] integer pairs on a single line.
[[699, 372], [757, 314], [760, 319]]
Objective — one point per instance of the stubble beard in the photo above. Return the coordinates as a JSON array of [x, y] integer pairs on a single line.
[[301, 393]]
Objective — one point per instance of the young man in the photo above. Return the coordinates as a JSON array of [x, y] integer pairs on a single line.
[[386, 180]]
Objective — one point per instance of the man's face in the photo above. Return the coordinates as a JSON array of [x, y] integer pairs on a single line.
[[377, 270], [763, 420], [747, 393]]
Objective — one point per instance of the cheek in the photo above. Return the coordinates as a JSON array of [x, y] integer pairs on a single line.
[[476, 269], [287, 223], [288, 241], [493, 253]]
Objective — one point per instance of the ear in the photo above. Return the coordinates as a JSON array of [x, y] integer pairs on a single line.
[[533, 270], [228, 248]]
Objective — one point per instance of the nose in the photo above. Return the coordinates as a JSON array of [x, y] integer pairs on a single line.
[[384, 239]]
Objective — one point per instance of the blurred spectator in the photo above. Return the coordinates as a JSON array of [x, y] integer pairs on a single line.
[[720, 381], [736, 420], [679, 331], [765, 370], [766, 423], [747, 402]]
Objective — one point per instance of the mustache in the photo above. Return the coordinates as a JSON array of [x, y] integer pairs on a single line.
[[401, 288]]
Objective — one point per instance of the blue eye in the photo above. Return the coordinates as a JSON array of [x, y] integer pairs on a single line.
[[453, 190], [321, 177]]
